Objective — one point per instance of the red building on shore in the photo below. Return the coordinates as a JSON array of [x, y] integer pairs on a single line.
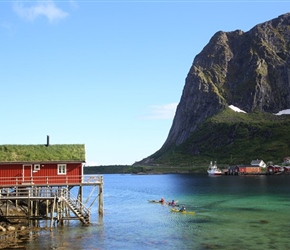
[[46, 174]]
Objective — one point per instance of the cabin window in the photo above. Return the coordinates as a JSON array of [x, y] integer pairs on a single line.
[[61, 168], [36, 167]]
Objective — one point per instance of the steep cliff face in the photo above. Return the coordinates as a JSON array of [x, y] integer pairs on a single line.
[[247, 69], [250, 70]]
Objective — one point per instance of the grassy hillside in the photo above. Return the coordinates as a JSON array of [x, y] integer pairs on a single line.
[[57, 152], [139, 169], [232, 138]]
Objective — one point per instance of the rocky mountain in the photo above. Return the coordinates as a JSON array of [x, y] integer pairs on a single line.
[[250, 70]]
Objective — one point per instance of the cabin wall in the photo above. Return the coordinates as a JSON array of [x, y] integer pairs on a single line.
[[253, 170], [50, 170], [47, 174], [11, 170], [273, 169], [7, 171], [248, 169]]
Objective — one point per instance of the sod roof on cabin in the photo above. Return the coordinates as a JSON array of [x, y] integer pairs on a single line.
[[32, 153]]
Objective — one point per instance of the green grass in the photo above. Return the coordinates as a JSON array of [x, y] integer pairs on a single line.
[[57, 152], [232, 138]]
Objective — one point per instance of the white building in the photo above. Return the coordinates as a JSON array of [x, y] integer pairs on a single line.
[[260, 163]]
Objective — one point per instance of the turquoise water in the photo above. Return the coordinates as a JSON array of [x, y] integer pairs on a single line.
[[231, 212]]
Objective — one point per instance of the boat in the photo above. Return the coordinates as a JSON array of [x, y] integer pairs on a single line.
[[173, 203], [156, 201], [164, 202], [182, 212], [213, 169]]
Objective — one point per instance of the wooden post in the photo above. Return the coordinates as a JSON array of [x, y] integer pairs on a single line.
[[7, 209], [81, 198], [52, 211], [46, 208], [34, 194], [101, 198], [16, 201]]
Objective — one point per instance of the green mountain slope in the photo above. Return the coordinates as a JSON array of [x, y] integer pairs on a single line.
[[232, 138]]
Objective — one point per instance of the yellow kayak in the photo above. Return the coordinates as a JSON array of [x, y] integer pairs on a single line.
[[183, 212]]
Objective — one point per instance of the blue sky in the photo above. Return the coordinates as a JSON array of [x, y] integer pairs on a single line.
[[108, 74]]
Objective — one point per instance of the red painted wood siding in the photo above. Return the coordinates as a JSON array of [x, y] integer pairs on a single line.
[[248, 169], [48, 174], [274, 169]]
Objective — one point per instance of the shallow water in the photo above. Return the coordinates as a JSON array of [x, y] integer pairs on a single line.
[[231, 212]]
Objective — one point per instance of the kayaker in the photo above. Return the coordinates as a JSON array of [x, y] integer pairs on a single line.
[[162, 200], [182, 209], [172, 203]]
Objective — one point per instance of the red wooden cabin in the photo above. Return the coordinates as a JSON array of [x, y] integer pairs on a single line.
[[41, 164], [247, 169], [272, 169]]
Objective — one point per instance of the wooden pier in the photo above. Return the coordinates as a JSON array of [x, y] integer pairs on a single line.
[[50, 198]]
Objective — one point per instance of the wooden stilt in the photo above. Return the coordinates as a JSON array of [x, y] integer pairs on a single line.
[[101, 200], [52, 212], [46, 208], [89, 197], [7, 208], [54, 203]]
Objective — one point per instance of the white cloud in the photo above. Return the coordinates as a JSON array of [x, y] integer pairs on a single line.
[[161, 112], [47, 9]]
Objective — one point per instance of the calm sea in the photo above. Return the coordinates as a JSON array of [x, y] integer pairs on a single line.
[[231, 212]]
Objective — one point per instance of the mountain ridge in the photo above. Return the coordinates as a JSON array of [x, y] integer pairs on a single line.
[[250, 70]]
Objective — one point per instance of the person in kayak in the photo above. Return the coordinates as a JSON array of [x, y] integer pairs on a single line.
[[162, 200], [172, 203], [182, 209]]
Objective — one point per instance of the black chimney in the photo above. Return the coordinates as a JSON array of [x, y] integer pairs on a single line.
[[47, 140]]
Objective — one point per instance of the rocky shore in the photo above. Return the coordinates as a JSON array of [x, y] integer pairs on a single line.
[[13, 232]]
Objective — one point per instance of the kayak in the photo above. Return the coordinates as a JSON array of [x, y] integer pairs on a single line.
[[164, 202], [155, 201], [173, 205], [183, 212]]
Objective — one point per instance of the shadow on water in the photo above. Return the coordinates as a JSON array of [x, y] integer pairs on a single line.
[[199, 221]]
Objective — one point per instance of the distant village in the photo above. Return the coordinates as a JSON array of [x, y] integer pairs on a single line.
[[257, 167]]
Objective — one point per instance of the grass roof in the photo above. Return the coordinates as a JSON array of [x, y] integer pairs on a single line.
[[28, 153]]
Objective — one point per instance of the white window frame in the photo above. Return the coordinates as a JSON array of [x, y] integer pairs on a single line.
[[61, 169], [36, 167]]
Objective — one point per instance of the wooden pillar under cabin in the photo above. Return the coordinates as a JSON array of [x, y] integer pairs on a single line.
[[7, 207], [31, 208], [16, 201], [52, 212], [46, 208], [81, 197], [37, 207], [58, 205], [62, 210], [28, 210], [67, 210], [101, 199]]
